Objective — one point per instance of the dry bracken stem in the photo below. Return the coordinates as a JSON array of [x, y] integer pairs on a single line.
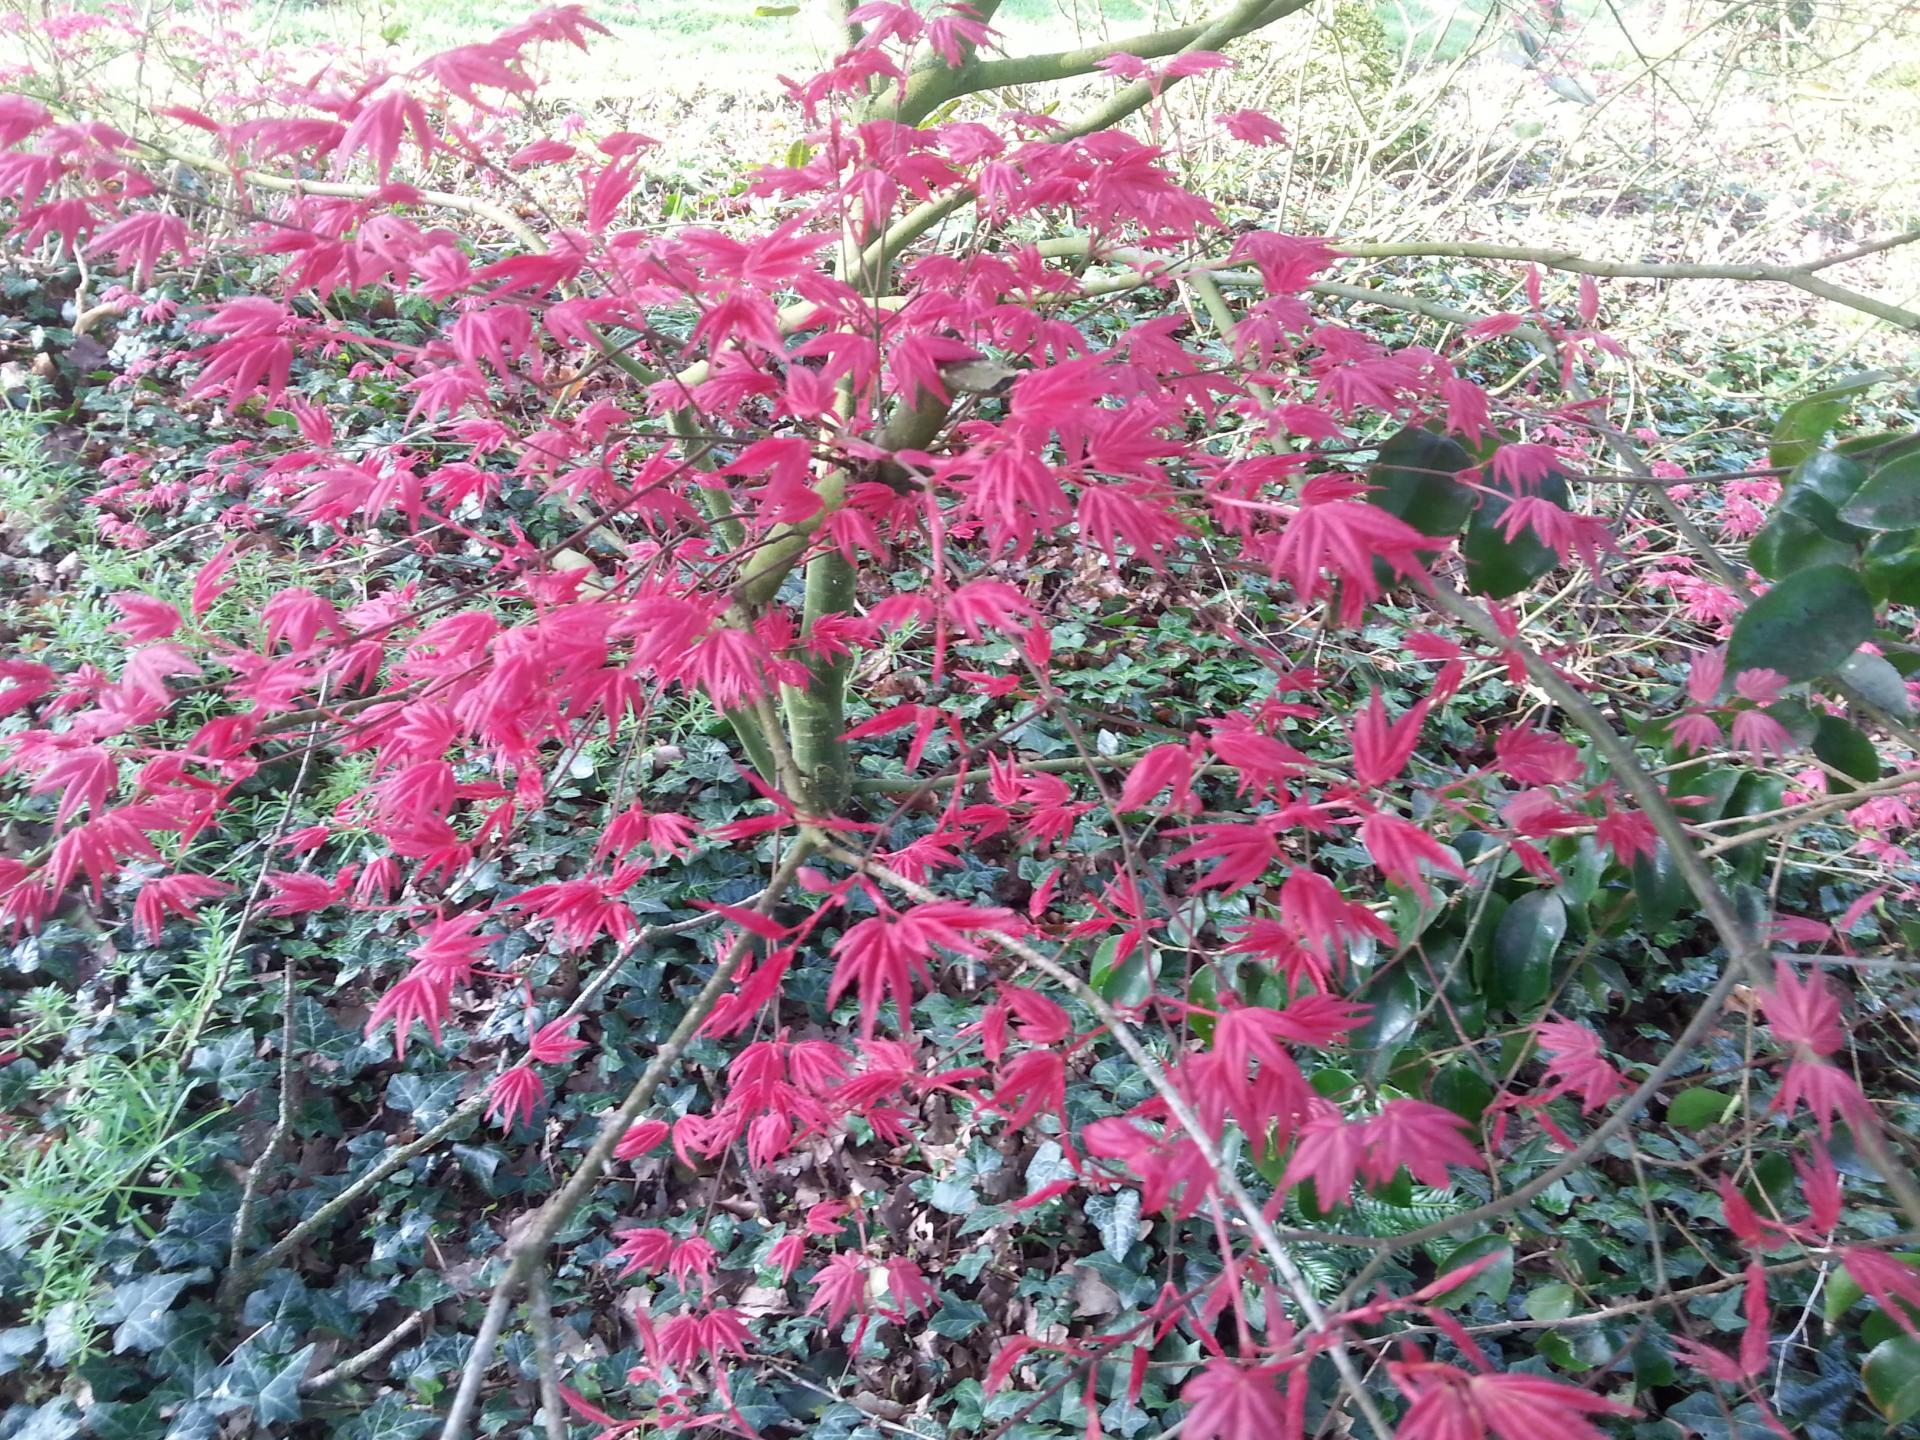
[[1801, 277]]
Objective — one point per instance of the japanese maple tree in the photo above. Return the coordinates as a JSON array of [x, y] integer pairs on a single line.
[[734, 462]]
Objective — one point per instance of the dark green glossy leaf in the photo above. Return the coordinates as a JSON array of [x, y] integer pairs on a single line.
[[1892, 568], [1659, 888], [1395, 1003], [1788, 543], [1756, 794], [1805, 423], [1705, 788], [1804, 504], [1847, 750], [1500, 567], [1892, 1376], [1414, 479], [1807, 625], [1890, 498], [1877, 681], [1462, 1090], [1830, 475], [1130, 981], [1520, 972]]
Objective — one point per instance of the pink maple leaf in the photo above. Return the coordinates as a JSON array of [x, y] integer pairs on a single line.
[[1232, 1401], [1803, 1013]]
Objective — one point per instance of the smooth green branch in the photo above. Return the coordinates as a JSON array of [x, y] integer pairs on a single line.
[[934, 86], [817, 713]]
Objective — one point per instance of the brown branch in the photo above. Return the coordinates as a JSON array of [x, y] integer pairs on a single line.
[[553, 1412], [354, 1364], [528, 1250], [1801, 277]]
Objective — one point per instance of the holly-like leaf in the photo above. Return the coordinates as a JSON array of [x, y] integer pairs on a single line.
[[1520, 969], [1500, 567], [1890, 497], [1892, 1376], [1805, 626], [1415, 478], [1805, 423]]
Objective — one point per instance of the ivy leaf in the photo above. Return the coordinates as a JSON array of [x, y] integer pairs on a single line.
[[58, 1419], [140, 1308], [1117, 1219], [1805, 626], [428, 1098], [1049, 1163], [957, 1318], [16, 1344], [1892, 1376], [1521, 965], [133, 1420], [391, 1418]]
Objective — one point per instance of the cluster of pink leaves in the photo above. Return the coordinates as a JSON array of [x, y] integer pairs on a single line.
[[463, 699]]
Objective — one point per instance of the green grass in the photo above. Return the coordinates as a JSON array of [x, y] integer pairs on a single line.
[[110, 1138]]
